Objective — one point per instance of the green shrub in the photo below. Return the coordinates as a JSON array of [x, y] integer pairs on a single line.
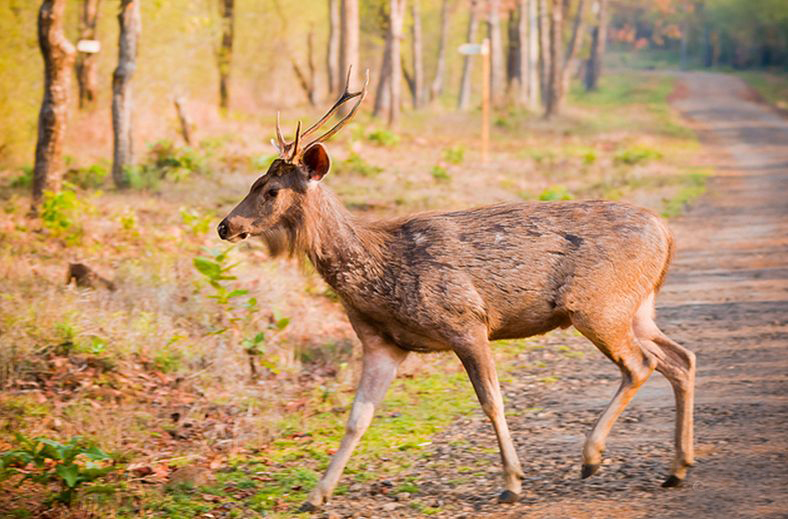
[[198, 223], [440, 173], [355, 163], [636, 155], [454, 155], [25, 179], [45, 461], [58, 211], [384, 138], [172, 162], [92, 177], [555, 193]]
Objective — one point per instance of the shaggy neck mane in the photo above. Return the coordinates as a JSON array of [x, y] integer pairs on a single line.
[[324, 231]]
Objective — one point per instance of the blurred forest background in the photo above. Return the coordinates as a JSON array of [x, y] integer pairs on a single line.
[[147, 370]]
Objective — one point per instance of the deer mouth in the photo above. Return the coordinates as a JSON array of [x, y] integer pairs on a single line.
[[238, 237]]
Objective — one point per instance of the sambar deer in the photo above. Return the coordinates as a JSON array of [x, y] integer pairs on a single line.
[[457, 280]]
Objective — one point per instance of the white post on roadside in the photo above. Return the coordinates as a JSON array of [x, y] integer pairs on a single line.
[[482, 49]]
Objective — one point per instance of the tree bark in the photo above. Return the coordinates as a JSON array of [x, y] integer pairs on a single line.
[[555, 76], [382, 91], [464, 100], [307, 79], [436, 89], [544, 49], [578, 32], [87, 61], [513, 53], [416, 51], [332, 55], [225, 54], [348, 45], [497, 76], [58, 54], [122, 105], [598, 43], [184, 120], [531, 54], [396, 16]]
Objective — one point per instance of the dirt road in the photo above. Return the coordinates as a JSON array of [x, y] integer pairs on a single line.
[[726, 299]]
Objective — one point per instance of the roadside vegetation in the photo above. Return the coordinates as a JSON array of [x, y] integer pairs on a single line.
[[217, 379]]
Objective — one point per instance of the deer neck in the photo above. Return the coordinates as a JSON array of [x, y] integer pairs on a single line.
[[344, 250]]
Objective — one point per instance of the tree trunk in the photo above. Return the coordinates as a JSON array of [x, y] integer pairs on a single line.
[[184, 120], [383, 90], [436, 89], [225, 55], [130, 25], [348, 45], [578, 31], [58, 54], [531, 54], [418, 62], [307, 79], [86, 61], [544, 49], [554, 78], [497, 76], [396, 16], [513, 53], [464, 100], [332, 56], [598, 43], [685, 28]]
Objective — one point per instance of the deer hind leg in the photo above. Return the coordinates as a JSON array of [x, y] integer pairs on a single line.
[[478, 362], [618, 342], [379, 367], [677, 364]]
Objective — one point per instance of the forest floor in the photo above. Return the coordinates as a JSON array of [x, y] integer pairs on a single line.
[[157, 374], [726, 298]]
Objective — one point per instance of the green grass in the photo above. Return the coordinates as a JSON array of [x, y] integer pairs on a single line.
[[771, 86], [694, 185]]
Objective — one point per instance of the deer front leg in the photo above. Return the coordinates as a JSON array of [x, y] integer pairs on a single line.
[[379, 367], [478, 362]]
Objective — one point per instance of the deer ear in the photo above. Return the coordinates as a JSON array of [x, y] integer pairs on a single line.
[[316, 161]]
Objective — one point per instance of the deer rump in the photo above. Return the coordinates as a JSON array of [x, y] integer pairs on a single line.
[[520, 269]]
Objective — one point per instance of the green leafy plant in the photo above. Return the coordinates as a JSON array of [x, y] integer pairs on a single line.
[[44, 461], [383, 138], [91, 177], [254, 347], [58, 212], [555, 193], [636, 155], [454, 155], [440, 173], [25, 179], [197, 222], [216, 271], [355, 163]]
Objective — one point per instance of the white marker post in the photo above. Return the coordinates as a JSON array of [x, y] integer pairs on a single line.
[[484, 50]]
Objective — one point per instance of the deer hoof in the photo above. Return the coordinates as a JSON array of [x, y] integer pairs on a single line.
[[308, 507], [589, 470], [672, 481], [507, 496]]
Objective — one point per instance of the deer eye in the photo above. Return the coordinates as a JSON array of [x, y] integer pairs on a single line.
[[271, 193]]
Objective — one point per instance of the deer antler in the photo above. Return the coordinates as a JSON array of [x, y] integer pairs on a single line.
[[291, 151]]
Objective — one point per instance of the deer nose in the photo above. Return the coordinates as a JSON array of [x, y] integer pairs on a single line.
[[222, 230]]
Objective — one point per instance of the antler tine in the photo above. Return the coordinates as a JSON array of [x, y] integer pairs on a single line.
[[296, 142], [344, 97], [281, 140], [361, 94]]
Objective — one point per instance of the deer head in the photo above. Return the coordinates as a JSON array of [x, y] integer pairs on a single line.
[[275, 203]]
